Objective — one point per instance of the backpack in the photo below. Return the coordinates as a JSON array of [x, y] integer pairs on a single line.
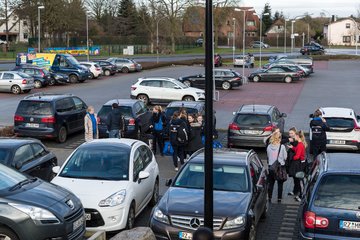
[[159, 125], [178, 134]]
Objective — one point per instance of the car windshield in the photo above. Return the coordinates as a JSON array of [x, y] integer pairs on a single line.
[[34, 108], [170, 110], [9, 177], [72, 60], [252, 120], [339, 191], [182, 85], [98, 162], [226, 177], [4, 155], [126, 111], [340, 122]]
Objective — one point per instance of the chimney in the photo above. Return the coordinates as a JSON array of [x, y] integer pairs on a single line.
[[333, 18]]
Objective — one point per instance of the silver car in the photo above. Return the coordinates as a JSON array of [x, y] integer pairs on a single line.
[[15, 82], [126, 65]]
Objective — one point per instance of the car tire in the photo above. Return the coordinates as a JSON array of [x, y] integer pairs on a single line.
[[37, 84], [144, 98], [107, 72], [6, 233], [188, 98], [155, 197], [226, 85], [288, 79], [62, 135], [130, 222], [73, 78], [52, 82], [256, 78], [125, 70], [187, 83], [27, 90], [92, 76], [252, 231], [15, 89]]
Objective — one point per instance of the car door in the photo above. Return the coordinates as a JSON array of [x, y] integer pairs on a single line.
[[198, 80], [143, 116], [25, 161], [44, 160], [80, 111], [259, 193], [139, 186], [171, 91], [3, 83], [280, 120], [218, 77], [65, 109], [8, 81], [149, 166], [152, 88]]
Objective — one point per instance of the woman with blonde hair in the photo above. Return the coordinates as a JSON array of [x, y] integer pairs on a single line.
[[91, 125], [158, 121], [277, 154]]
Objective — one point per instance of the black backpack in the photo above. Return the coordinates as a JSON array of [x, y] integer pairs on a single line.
[[179, 134]]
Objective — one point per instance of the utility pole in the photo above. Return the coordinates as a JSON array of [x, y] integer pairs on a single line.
[[7, 25]]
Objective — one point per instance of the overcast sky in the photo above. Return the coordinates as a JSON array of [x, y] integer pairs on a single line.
[[293, 8]]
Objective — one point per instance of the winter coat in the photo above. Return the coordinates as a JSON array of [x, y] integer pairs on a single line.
[[318, 130], [89, 128], [195, 142], [298, 161], [155, 118], [173, 124], [115, 120], [274, 154]]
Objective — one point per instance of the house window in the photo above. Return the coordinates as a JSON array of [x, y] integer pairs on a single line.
[[25, 23], [279, 26], [25, 35], [348, 25], [250, 23], [346, 39]]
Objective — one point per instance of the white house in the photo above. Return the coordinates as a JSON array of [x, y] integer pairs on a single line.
[[343, 32], [18, 29]]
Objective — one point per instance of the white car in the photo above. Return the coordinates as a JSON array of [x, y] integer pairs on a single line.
[[94, 69], [344, 133], [115, 179], [247, 61], [162, 89]]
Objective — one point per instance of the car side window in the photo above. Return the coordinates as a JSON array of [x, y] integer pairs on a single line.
[[151, 83], [146, 155], [8, 76], [143, 107], [167, 84], [65, 105], [79, 105], [138, 165], [38, 150], [138, 109], [228, 74], [24, 154], [29, 71]]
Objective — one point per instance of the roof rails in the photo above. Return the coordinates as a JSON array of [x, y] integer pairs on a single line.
[[40, 94]]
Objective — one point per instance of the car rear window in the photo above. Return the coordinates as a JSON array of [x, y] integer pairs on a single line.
[[252, 119], [339, 191], [34, 108], [170, 111], [126, 111], [340, 122]]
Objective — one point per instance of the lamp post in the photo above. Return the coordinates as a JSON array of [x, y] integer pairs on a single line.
[[39, 32], [157, 38], [87, 35], [261, 18], [285, 20], [356, 37], [234, 35], [292, 35]]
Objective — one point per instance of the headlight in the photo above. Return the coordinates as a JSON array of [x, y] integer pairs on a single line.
[[199, 94], [159, 216], [114, 200], [38, 215], [234, 223]]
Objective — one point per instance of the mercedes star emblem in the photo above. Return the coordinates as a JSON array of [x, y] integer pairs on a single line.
[[31, 119], [195, 223], [358, 214]]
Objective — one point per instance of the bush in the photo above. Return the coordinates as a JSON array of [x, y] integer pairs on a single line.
[[7, 131]]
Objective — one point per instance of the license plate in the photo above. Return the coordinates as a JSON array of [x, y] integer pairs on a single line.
[[185, 235], [351, 226], [32, 125], [78, 223], [252, 132], [87, 216], [337, 142]]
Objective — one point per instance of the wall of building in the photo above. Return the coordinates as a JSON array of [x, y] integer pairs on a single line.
[[342, 33]]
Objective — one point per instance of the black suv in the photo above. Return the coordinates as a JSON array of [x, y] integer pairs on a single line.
[[42, 77], [107, 67], [252, 124], [137, 117], [49, 116], [312, 49], [330, 208], [240, 197], [29, 156]]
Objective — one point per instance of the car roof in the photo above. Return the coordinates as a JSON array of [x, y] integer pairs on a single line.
[[186, 104], [14, 72], [337, 112], [156, 78], [87, 63], [224, 156], [46, 96], [342, 162], [255, 108], [15, 142], [28, 66], [111, 142], [121, 102]]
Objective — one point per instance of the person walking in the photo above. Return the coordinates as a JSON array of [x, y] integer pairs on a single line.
[[91, 125], [277, 154], [318, 127], [291, 142], [158, 121], [195, 142], [115, 122], [178, 138]]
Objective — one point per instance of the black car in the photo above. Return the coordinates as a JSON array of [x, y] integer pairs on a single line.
[[275, 74], [107, 67], [58, 78], [42, 77], [29, 156], [49, 116], [312, 48], [32, 209], [240, 197], [330, 207], [224, 78], [137, 117]]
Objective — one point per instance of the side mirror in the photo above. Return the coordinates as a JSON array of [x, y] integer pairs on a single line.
[[311, 115], [56, 169], [177, 87], [234, 113], [143, 175], [168, 182], [358, 117], [18, 165], [284, 115]]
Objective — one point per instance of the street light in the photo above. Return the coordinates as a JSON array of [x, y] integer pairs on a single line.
[[157, 38], [39, 8], [234, 22], [292, 35], [87, 34], [261, 18]]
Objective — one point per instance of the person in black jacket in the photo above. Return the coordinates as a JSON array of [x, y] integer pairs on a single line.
[[195, 129], [115, 122], [158, 123], [318, 127], [174, 125]]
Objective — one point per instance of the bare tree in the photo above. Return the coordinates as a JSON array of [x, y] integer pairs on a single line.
[[149, 18], [97, 7]]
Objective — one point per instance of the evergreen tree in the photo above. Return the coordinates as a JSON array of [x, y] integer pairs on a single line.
[[267, 20], [128, 19]]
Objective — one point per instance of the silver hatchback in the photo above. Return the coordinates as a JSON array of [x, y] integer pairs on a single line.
[[15, 82], [126, 65]]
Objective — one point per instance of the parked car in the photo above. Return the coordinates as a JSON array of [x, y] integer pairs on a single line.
[[33, 209], [312, 50], [190, 107], [304, 72], [330, 205], [163, 89], [217, 60], [304, 61], [15, 82], [29, 156], [95, 69], [275, 74], [252, 124], [137, 117], [344, 128], [224, 78], [58, 78], [126, 65], [115, 179], [199, 42], [41, 76], [240, 197], [244, 60], [107, 67], [49, 116], [258, 44]]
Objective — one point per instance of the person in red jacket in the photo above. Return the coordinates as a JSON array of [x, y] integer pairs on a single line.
[[298, 161]]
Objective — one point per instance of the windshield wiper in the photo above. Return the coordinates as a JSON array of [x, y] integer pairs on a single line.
[[22, 183]]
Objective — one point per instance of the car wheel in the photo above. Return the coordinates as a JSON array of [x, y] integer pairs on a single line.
[[131, 217], [288, 79], [155, 197], [15, 89], [124, 70], [256, 78], [187, 83], [73, 78], [143, 98], [189, 98], [226, 85], [107, 72], [52, 82], [37, 84], [7, 234], [62, 135], [92, 76], [252, 231], [27, 90]]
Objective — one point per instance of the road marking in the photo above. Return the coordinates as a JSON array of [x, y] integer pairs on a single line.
[[288, 226]]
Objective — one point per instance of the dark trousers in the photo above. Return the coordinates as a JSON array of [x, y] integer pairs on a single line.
[[317, 149], [298, 186], [159, 140], [272, 180], [178, 152]]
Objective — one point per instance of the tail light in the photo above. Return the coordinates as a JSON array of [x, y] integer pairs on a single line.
[[131, 121], [312, 221], [238, 79], [132, 65], [133, 88], [48, 120], [233, 126], [18, 118], [42, 73], [269, 128], [356, 126], [24, 81], [98, 69]]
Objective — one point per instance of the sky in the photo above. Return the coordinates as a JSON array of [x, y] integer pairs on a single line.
[[293, 8]]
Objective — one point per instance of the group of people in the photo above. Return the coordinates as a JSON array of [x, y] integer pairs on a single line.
[[290, 155]]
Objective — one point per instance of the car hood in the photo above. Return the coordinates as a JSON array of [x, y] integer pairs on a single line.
[[195, 89], [191, 76], [183, 201]]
